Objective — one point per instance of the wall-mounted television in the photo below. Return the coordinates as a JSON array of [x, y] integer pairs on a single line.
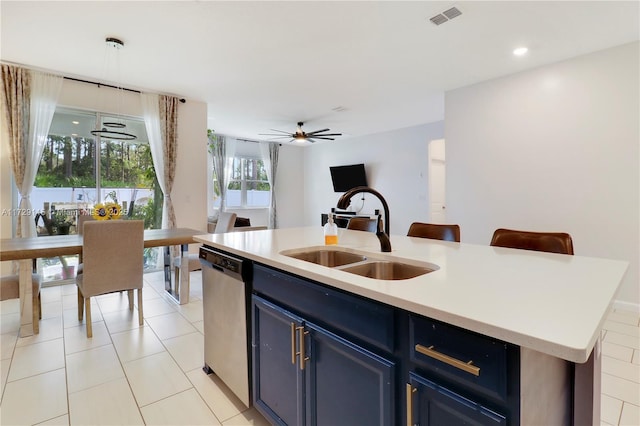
[[346, 177]]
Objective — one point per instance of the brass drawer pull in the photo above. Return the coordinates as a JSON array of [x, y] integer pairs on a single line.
[[464, 366], [293, 343], [303, 356], [410, 392]]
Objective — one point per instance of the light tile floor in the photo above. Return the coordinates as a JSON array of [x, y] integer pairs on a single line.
[[124, 375], [127, 374]]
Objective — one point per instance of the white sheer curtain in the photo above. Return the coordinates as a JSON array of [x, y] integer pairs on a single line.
[[45, 89], [269, 152], [151, 111]]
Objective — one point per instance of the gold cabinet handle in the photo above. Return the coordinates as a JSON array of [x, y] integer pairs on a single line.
[[464, 366], [301, 334], [293, 343], [410, 392]]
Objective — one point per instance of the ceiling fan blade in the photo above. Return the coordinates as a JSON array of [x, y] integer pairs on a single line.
[[275, 134], [310, 140], [322, 137], [280, 131], [318, 131], [328, 134]]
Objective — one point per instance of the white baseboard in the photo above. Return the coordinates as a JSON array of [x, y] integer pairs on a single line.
[[626, 306]]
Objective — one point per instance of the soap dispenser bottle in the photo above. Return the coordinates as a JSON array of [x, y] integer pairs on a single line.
[[330, 231]]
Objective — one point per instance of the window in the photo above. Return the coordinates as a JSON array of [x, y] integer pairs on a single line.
[[248, 186], [78, 170]]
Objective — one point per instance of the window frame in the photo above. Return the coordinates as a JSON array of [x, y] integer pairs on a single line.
[[243, 181]]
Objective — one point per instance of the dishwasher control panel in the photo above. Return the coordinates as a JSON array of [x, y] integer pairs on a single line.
[[227, 263]]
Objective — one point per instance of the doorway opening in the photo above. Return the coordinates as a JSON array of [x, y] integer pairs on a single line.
[[437, 168]]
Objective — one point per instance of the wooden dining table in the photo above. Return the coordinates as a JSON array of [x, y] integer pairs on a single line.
[[25, 250]]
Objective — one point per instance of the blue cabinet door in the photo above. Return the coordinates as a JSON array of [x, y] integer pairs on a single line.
[[433, 405], [278, 384], [346, 384]]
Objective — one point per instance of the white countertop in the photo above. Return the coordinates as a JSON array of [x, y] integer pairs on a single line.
[[552, 303]]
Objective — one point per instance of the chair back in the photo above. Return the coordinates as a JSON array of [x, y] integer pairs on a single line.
[[112, 252], [435, 231], [81, 221], [363, 224], [226, 222], [552, 242]]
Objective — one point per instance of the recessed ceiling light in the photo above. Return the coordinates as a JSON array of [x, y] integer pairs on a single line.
[[520, 51], [75, 122], [74, 134]]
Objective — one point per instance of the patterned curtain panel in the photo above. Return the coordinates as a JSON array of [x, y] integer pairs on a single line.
[[218, 149], [162, 140], [16, 91], [168, 107], [29, 100], [269, 153]]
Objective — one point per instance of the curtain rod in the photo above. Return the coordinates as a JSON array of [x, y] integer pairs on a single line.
[[182, 100]]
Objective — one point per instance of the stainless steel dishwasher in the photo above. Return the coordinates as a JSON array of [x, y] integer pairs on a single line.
[[225, 299]]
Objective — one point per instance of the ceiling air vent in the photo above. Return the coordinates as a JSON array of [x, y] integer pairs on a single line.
[[445, 16], [439, 19], [452, 13]]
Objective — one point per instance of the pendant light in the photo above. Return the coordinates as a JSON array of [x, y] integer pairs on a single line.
[[109, 129]]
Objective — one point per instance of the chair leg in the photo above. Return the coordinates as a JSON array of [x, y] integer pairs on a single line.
[[140, 321], [39, 306], [36, 314], [177, 283], [80, 305], [130, 296], [87, 303]]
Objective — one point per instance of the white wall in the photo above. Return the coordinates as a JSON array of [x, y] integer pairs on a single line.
[[552, 149], [290, 186], [396, 164]]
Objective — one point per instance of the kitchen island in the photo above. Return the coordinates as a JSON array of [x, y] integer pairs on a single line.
[[547, 310]]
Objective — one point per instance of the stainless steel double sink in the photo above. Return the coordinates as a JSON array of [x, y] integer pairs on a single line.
[[360, 263]]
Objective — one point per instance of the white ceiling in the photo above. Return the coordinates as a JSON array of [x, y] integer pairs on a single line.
[[263, 65]]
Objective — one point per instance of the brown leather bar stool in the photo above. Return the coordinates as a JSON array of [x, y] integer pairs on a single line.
[[552, 242], [435, 231], [363, 224]]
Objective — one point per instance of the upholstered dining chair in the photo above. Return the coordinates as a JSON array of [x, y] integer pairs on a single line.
[[363, 224], [10, 289], [82, 219], [112, 252], [552, 242], [226, 222], [435, 231]]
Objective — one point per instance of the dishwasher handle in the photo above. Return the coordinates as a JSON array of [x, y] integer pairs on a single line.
[[211, 265]]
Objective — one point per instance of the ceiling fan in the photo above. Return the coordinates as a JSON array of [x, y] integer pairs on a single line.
[[301, 136]]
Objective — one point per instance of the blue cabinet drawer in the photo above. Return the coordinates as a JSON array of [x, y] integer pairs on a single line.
[[360, 318], [435, 405], [471, 360]]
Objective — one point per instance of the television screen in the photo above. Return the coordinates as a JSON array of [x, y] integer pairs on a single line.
[[346, 177]]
